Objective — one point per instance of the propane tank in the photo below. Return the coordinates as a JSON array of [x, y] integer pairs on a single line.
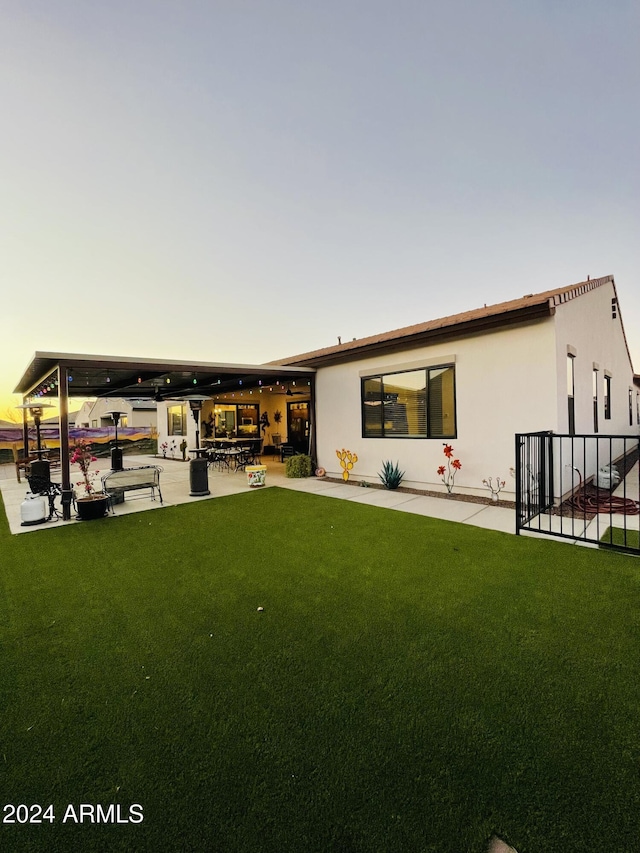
[[607, 477], [33, 510]]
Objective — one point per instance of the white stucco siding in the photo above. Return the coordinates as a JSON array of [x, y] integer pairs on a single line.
[[142, 418], [505, 383], [586, 325]]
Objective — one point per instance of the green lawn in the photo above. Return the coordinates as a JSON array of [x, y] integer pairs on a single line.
[[411, 685], [619, 536]]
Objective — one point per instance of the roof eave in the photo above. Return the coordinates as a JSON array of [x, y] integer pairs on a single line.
[[351, 352]]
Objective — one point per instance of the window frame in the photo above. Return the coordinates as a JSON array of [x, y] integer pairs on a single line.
[[571, 391], [183, 419], [379, 375], [607, 396]]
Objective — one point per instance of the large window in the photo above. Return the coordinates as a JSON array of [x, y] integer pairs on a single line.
[[411, 404], [177, 419], [238, 420]]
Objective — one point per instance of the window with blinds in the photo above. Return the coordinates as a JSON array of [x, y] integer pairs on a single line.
[[410, 404]]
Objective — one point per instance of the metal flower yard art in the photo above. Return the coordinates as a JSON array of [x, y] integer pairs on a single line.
[[494, 488], [448, 471], [347, 461]]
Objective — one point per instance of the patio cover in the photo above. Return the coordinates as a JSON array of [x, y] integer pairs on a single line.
[[64, 375]]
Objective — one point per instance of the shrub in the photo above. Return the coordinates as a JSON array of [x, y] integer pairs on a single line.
[[298, 466], [391, 476]]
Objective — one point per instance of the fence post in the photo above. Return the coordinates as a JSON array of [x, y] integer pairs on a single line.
[[518, 482]]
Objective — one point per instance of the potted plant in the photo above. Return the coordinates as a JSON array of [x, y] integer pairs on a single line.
[[92, 504]]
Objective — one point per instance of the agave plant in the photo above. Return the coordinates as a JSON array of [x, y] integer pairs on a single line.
[[391, 476]]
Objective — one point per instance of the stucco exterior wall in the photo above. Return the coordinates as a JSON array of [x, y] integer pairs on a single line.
[[587, 327], [505, 383], [175, 440]]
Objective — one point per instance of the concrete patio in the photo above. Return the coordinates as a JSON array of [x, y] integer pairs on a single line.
[[174, 483]]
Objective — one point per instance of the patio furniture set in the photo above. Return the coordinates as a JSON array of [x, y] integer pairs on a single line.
[[233, 454], [114, 486]]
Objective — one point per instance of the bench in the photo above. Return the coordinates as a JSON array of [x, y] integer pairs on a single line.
[[22, 464], [116, 483]]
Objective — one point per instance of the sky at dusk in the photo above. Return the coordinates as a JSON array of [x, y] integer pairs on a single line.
[[245, 180]]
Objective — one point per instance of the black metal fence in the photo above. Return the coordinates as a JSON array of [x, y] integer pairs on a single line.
[[581, 487]]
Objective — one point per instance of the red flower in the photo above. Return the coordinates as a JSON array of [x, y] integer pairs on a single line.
[[448, 451], [441, 470], [456, 464]]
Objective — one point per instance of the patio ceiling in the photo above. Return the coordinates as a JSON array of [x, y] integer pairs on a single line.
[[140, 378], [64, 375]]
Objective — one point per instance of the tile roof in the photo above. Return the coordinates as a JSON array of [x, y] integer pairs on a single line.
[[532, 306]]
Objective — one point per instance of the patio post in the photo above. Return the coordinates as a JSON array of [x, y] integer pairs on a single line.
[[25, 429], [63, 398]]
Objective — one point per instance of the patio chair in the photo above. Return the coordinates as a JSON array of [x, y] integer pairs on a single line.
[[219, 458], [244, 458], [286, 450], [254, 453], [44, 486]]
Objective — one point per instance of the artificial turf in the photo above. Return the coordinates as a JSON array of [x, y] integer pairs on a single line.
[[621, 537], [411, 685]]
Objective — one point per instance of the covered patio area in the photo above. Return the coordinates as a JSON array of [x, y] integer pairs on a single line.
[[54, 376]]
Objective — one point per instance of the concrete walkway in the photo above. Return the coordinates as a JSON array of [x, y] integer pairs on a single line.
[[174, 482]]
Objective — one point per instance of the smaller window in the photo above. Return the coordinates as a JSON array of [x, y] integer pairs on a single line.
[[570, 395], [607, 397], [595, 400], [177, 420], [630, 406], [638, 408]]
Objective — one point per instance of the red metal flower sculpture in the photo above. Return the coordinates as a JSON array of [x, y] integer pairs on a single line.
[[448, 473]]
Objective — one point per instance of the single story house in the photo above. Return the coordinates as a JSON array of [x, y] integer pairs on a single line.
[[556, 360], [135, 413]]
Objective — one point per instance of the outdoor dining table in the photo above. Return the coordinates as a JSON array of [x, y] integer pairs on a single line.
[[200, 452], [227, 452]]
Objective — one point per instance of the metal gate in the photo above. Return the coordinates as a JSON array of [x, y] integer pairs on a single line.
[[580, 487]]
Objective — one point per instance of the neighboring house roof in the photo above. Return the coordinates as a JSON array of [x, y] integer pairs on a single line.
[[54, 420], [534, 306]]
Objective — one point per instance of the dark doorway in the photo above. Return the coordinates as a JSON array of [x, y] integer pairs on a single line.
[[298, 426]]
